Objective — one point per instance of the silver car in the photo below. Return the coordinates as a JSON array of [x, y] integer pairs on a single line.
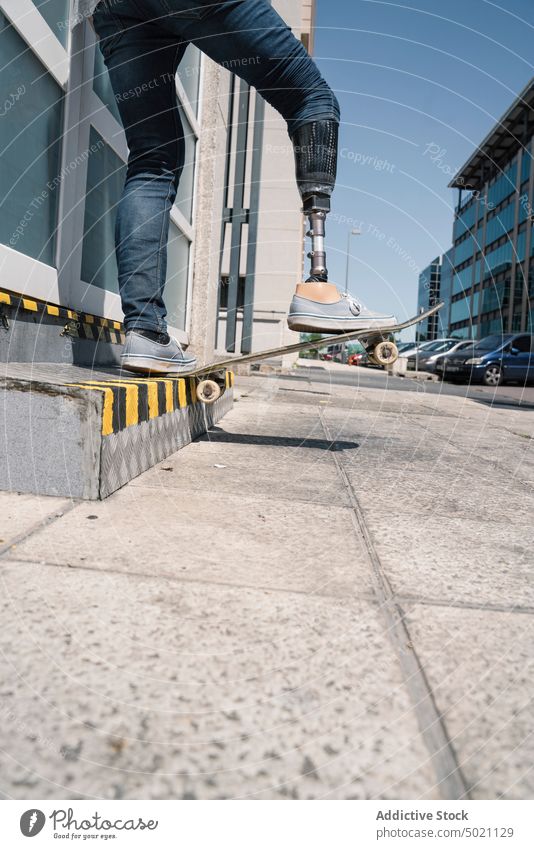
[[426, 359], [412, 347], [433, 361]]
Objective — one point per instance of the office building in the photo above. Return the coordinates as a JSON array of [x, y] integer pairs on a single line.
[[487, 276]]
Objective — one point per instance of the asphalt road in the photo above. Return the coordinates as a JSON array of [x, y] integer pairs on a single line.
[[507, 395]]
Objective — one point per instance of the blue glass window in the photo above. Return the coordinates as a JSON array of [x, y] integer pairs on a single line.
[[56, 15], [464, 222], [525, 164], [488, 328], [31, 114], [184, 196], [106, 173], [461, 310], [503, 185], [462, 280], [520, 247], [464, 250], [102, 85], [501, 223], [498, 259], [189, 74], [177, 276], [525, 207], [494, 296]]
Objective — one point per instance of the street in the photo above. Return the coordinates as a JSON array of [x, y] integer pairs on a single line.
[[371, 378]]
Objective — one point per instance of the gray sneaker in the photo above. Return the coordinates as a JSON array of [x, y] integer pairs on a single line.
[[339, 317], [144, 355]]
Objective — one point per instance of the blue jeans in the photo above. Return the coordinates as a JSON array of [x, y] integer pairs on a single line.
[[143, 41]]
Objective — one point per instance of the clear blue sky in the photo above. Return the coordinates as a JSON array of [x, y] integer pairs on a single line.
[[409, 76]]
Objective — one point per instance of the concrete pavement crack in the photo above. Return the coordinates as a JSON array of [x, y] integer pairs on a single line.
[[38, 526], [450, 779]]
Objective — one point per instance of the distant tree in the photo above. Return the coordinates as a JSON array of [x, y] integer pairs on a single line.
[[313, 353]]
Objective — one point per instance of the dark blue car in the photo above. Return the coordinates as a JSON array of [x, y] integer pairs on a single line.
[[494, 360]]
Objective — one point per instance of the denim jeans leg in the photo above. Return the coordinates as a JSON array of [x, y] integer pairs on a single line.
[[251, 39], [142, 63], [141, 245]]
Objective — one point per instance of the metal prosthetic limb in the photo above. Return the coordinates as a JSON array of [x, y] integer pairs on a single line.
[[315, 147]]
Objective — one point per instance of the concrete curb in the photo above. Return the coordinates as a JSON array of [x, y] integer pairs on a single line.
[[87, 438]]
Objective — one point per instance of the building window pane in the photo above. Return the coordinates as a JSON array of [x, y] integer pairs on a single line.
[[525, 163], [30, 146], [500, 223], [106, 173], [503, 185], [102, 85], [184, 196], [189, 74], [462, 279], [177, 276], [464, 250], [56, 15]]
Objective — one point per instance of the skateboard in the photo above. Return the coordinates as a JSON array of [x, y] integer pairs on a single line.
[[211, 378]]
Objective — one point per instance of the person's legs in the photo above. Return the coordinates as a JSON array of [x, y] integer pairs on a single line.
[[142, 61]]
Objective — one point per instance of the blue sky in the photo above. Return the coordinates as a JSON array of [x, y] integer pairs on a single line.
[[419, 85]]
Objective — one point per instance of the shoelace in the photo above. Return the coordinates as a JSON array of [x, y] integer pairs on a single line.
[[175, 340], [354, 306]]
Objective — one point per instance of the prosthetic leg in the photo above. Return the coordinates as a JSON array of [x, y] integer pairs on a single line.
[[317, 305], [315, 147]]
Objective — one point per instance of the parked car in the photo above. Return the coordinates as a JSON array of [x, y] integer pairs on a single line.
[[412, 347], [417, 359], [431, 358], [494, 360], [441, 360], [404, 346], [354, 359]]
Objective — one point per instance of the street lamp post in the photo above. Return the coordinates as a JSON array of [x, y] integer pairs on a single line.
[[354, 232]]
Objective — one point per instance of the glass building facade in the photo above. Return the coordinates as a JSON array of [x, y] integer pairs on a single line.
[[491, 258], [63, 160], [428, 296]]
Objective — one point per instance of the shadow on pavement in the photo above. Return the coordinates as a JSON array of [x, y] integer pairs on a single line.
[[503, 403], [219, 435]]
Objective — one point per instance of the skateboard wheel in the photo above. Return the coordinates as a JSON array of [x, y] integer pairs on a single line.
[[208, 391], [385, 353]]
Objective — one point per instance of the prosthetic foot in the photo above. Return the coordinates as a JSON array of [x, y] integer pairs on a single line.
[[317, 305]]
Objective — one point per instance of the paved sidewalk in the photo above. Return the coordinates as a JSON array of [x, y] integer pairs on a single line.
[[329, 596]]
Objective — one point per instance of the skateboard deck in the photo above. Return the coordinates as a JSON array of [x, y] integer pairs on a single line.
[[375, 340]]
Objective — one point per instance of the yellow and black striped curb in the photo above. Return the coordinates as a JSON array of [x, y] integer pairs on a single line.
[[130, 402], [81, 325]]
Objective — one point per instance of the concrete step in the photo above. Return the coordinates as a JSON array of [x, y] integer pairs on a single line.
[[70, 430]]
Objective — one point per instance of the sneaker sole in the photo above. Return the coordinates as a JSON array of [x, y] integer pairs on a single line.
[[146, 365], [308, 324]]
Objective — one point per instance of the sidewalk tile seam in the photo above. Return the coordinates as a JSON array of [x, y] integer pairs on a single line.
[[368, 597], [52, 517]]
